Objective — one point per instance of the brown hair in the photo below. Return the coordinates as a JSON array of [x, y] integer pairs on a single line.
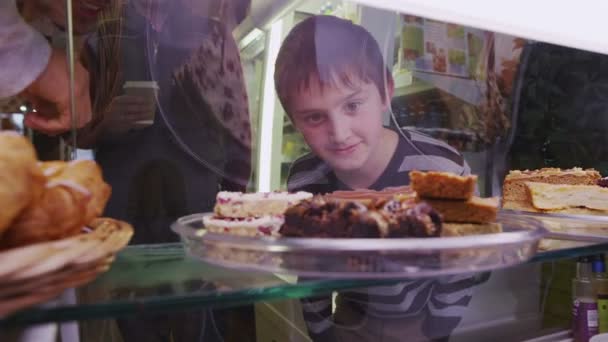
[[328, 50]]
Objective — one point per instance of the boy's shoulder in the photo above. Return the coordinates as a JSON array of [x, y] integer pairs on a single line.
[[423, 152], [309, 173]]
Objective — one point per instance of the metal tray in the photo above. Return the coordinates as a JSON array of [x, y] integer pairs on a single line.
[[366, 258]]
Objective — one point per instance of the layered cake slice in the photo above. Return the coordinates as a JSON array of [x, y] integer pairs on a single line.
[[563, 197], [443, 185], [251, 214], [244, 205], [515, 193], [252, 226], [475, 210], [452, 196]]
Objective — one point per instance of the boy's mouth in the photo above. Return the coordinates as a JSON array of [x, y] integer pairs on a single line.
[[345, 150]]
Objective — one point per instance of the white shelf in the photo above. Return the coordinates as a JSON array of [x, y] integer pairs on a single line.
[[579, 24]]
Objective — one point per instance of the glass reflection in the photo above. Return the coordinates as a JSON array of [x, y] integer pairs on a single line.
[[171, 120]]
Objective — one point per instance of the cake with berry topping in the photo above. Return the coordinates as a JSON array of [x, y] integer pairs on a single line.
[[244, 205], [252, 226], [251, 214]]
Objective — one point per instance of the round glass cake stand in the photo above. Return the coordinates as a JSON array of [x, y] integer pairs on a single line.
[[366, 258]]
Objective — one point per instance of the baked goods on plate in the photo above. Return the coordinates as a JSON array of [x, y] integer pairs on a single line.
[[51, 236], [367, 196], [21, 180], [473, 210], [74, 193], [462, 229], [243, 205], [516, 195], [443, 185], [565, 200], [267, 225], [563, 197], [328, 218], [346, 234], [453, 197], [251, 214]]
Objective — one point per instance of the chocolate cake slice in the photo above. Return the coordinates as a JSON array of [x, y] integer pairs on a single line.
[[325, 218]]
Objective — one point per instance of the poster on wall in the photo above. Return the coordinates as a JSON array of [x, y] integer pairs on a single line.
[[449, 49]]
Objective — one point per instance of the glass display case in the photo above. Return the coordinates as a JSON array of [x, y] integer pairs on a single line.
[[192, 97]]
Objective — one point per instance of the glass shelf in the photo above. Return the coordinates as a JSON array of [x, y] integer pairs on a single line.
[[161, 278]]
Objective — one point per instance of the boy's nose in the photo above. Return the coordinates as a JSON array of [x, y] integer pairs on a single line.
[[340, 129]]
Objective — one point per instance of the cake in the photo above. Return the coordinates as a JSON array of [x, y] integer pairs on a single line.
[[452, 197], [366, 196], [328, 218], [564, 197], [244, 205], [463, 229], [251, 214], [251, 226], [475, 210], [443, 185], [515, 193]]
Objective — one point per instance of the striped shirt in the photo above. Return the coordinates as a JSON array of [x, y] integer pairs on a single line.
[[443, 300]]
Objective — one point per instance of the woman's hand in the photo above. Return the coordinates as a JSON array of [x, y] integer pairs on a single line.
[[127, 112]]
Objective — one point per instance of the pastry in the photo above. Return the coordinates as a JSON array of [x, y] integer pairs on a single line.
[[515, 194], [475, 210], [244, 205], [443, 185], [74, 194], [21, 181]]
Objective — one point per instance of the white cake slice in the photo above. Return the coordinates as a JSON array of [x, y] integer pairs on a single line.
[[554, 197], [244, 205], [259, 226]]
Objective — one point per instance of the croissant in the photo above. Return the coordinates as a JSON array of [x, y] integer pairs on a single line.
[[21, 181], [74, 195]]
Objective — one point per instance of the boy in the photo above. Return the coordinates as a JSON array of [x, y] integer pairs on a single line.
[[331, 79]]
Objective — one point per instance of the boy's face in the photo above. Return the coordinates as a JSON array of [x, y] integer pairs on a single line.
[[341, 124]]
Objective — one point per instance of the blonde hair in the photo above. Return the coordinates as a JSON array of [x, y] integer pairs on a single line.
[[106, 75]]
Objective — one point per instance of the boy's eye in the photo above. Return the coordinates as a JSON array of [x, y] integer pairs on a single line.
[[314, 119], [353, 106]]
